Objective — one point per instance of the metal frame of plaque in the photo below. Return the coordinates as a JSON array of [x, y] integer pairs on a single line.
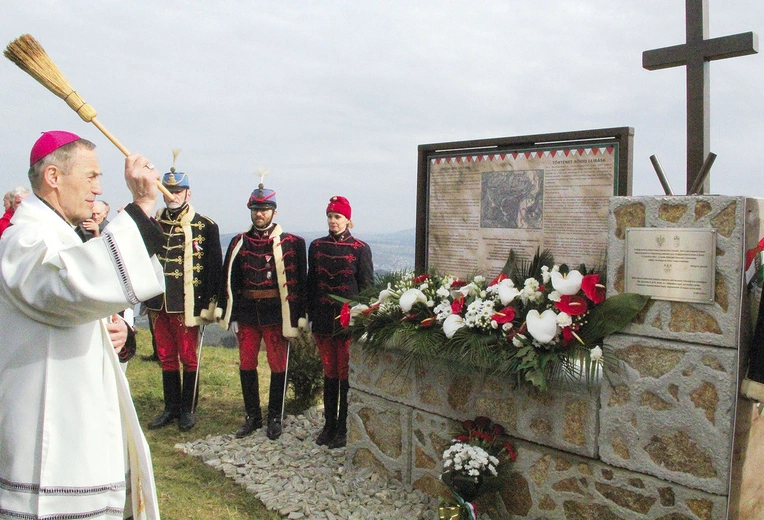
[[478, 199], [675, 264]]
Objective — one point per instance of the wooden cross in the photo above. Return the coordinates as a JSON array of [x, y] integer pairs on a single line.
[[695, 55]]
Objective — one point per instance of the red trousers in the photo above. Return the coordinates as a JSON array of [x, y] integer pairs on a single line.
[[174, 340], [335, 355], [249, 337]]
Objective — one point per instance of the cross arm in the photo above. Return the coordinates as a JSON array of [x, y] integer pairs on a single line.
[[732, 46], [713, 49], [665, 58]]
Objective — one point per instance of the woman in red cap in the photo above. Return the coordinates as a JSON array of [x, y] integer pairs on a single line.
[[338, 264]]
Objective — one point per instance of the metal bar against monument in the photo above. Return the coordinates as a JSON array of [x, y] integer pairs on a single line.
[[661, 176], [702, 174]]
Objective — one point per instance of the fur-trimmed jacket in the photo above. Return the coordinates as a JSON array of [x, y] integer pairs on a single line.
[[192, 260], [339, 265], [265, 273]]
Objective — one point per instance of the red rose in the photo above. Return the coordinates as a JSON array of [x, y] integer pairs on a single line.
[[572, 305], [593, 289], [498, 429], [468, 425], [462, 438], [510, 451], [421, 279], [345, 315], [483, 436], [482, 422]]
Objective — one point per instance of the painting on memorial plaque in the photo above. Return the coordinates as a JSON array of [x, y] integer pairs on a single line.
[[476, 200]]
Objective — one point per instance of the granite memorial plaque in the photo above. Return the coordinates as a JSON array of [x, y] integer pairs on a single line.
[[677, 264]]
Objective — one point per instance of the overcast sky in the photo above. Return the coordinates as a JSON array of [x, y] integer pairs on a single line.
[[334, 97]]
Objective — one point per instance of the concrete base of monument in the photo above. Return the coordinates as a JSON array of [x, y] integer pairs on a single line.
[[400, 425]]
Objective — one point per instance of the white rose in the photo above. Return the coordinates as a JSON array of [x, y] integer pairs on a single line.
[[507, 291], [564, 320]]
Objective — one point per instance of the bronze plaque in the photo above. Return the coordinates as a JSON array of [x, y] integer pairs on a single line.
[[677, 264]]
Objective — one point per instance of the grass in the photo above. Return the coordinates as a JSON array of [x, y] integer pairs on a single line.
[[186, 487]]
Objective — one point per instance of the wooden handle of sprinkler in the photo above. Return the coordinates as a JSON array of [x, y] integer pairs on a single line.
[[125, 151]]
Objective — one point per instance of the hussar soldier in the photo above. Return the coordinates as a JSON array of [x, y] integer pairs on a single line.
[[264, 299], [341, 265], [192, 260]]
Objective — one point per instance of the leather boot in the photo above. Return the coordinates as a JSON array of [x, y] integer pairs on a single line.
[[331, 395], [275, 403], [171, 387], [250, 389], [341, 437], [187, 419]]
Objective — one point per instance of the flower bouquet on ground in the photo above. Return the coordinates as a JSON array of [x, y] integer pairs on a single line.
[[536, 320], [471, 466]]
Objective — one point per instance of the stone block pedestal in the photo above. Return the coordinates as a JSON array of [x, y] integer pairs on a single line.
[[667, 436]]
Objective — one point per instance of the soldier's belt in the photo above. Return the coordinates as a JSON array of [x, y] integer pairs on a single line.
[[255, 294]]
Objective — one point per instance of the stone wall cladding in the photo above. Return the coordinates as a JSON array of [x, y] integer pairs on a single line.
[[669, 411], [550, 484], [711, 324], [379, 435], [564, 418], [542, 483]]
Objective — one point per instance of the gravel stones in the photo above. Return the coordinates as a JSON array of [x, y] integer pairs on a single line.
[[298, 479]]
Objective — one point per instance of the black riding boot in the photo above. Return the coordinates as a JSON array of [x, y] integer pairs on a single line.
[[187, 419], [171, 387], [331, 395], [341, 437], [275, 403], [250, 389]]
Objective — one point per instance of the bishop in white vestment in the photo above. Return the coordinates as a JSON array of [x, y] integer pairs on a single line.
[[70, 442]]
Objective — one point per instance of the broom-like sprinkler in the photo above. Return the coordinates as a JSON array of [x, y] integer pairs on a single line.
[[29, 55]]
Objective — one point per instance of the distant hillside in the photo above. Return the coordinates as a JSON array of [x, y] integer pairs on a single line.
[[390, 251]]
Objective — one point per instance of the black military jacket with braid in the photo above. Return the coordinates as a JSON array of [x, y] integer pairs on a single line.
[[192, 261], [339, 265], [250, 265]]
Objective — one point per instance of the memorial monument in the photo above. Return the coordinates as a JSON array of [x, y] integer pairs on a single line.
[[668, 435]]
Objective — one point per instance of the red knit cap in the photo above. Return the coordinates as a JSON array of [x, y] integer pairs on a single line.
[[50, 142], [340, 205]]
